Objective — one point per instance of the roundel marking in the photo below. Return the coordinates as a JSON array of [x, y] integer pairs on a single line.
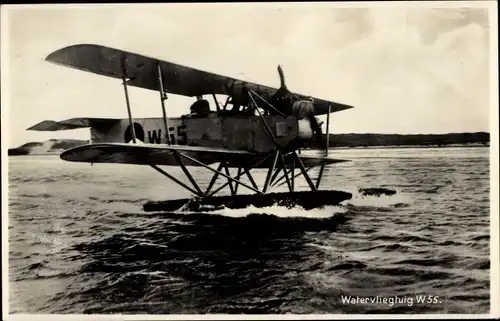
[[139, 133]]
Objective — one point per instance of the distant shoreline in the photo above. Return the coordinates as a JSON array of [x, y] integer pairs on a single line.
[[336, 141], [413, 146], [49, 147], [400, 140]]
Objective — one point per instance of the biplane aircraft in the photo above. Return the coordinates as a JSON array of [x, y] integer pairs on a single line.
[[257, 127]]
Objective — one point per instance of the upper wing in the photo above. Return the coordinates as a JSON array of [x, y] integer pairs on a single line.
[[177, 79], [73, 123]]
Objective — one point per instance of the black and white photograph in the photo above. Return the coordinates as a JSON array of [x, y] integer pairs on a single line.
[[173, 160]]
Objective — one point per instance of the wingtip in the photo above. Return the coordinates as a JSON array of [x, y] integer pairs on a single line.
[[74, 154], [50, 57], [56, 55], [42, 126], [63, 156], [53, 56], [348, 107], [334, 108], [341, 107]]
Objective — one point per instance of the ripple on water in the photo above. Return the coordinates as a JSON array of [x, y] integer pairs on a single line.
[[90, 248]]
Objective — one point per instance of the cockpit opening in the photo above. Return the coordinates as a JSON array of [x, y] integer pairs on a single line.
[[200, 108]]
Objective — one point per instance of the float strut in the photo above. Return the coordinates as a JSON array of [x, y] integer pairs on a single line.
[[276, 173], [187, 173], [247, 172], [231, 188], [304, 172], [194, 160], [214, 178], [175, 179], [240, 172], [286, 173], [270, 171], [320, 175], [279, 181], [250, 178]]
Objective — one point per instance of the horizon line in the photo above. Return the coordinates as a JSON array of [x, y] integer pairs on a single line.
[[352, 133]]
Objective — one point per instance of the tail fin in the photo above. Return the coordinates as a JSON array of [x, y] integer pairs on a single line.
[[74, 123]]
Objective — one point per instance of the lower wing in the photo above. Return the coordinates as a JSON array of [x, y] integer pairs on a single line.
[[147, 154], [154, 154]]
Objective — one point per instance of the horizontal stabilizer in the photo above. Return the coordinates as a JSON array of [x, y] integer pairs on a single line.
[[73, 123]]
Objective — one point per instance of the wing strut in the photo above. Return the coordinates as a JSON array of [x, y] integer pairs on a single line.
[[128, 110], [267, 103], [269, 131], [328, 129], [163, 98], [131, 122]]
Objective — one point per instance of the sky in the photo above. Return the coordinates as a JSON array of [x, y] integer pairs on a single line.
[[407, 70]]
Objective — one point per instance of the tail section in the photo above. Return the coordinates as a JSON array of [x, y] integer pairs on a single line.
[[74, 123], [116, 130]]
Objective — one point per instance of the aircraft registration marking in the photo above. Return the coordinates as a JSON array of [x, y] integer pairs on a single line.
[[177, 135]]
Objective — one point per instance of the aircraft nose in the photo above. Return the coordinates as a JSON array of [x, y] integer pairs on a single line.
[[305, 130]]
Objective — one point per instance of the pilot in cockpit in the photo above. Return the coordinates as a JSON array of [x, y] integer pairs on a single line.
[[200, 108]]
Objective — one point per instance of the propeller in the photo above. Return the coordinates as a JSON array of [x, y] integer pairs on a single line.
[[290, 104], [282, 77], [283, 90]]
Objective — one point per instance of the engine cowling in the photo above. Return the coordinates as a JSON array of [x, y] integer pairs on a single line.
[[305, 131], [309, 127], [303, 109]]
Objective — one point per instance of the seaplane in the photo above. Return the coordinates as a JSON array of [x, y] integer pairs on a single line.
[[257, 127]]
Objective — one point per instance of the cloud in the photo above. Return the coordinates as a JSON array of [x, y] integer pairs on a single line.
[[403, 84], [433, 22], [405, 70]]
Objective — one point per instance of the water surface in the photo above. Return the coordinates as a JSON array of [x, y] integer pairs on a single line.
[[80, 243]]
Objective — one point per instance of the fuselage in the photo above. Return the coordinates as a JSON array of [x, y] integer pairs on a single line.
[[238, 132]]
